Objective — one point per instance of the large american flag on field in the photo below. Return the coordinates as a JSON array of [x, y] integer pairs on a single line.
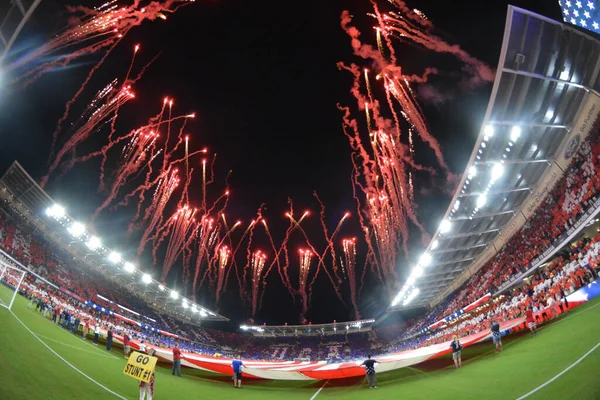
[[584, 13]]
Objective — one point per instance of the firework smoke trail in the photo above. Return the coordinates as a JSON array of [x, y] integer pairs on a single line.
[[104, 104], [328, 238], [321, 263], [237, 273], [89, 31], [224, 257], [382, 165], [349, 262], [304, 271], [178, 228], [136, 154], [155, 211], [284, 270], [257, 266], [249, 255]]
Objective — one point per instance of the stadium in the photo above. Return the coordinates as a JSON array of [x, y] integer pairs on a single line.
[[501, 301]]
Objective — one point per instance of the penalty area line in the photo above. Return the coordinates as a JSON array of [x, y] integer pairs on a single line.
[[560, 374], [65, 361], [318, 391]]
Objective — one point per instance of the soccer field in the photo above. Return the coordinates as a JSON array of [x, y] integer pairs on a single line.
[[39, 360]]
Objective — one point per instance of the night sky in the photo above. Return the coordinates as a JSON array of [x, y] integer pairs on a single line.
[[262, 79]]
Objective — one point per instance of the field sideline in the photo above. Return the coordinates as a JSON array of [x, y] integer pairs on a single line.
[[30, 370]]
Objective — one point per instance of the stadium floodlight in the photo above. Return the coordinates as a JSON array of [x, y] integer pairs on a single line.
[[515, 133], [481, 200], [174, 295], [114, 257], [94, 243], [425, 260], [55, 211], [473, 171], [203, 313], [76, 229], [435, 244], [445, 226], [184, 303], [244, 327], [410, 280], [456, 205], [129, 267], [417, 272], [146, 279], [497, 171], [161, 287], [489, 131]]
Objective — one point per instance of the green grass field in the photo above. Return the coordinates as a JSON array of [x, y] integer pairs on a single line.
[[29, 370]]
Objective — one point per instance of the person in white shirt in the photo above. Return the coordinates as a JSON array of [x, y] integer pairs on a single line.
[[553, 310]]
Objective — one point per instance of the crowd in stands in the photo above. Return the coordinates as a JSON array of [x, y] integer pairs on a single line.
[[561, 208], [545, 290]]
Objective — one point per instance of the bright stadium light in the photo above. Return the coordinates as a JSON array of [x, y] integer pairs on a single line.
[[515, 133], [55, 211], [129, 267], [203, 313], [497, 171], [489, 131], [473, 171], [435, 244], [445, 226], [161, 287], [76, 229], [146, 279], [94, 243], [174, 295], [425, 260], [456, 205], [184, 303], [417, 272], [410, 280], [114, 257], [481, 200]]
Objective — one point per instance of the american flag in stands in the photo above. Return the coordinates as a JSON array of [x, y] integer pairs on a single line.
[[584, 13]]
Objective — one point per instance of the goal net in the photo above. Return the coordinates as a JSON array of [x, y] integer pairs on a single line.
[[11, 279]]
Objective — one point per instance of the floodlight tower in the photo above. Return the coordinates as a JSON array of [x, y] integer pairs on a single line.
[[13, 16]]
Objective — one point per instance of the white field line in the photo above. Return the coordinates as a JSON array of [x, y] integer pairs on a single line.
[[318, 391], [560, 374], [66, 362], [75, 347]]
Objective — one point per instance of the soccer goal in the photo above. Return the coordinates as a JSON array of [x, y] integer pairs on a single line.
[[11, 279]]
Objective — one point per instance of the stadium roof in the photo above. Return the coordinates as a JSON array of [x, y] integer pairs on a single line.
[[17, 186], [545, 72], [13, 16], [334, 328]]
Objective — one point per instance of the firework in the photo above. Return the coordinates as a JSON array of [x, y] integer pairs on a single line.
[[349, 266], [89, 31], [224, 258], [304, 271], [384, 159], [257, 266]]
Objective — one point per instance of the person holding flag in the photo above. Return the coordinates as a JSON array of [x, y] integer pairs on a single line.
[[237, 365]]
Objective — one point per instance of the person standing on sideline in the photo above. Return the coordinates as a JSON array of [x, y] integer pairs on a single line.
[[147, 388], [176, 360], [126, 347], [530, 321], [371, 376], [456, 350], [496, 337], [237, 365], [96, 334], [109, 339]]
